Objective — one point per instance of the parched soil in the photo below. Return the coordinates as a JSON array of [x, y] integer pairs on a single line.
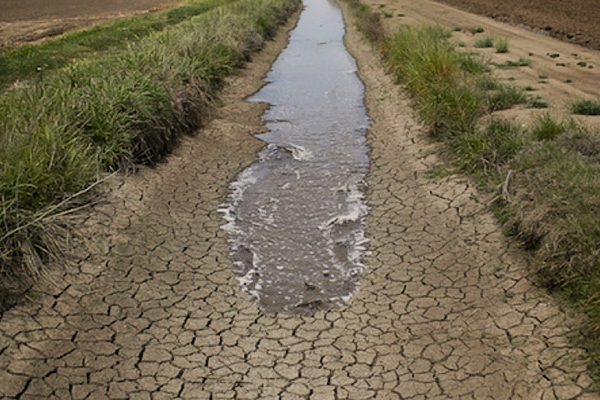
[[574, 21], [151, 308], [23, 21]]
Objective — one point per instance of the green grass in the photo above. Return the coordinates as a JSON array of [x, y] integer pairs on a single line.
[[505, 97], [537, 102], [473, 63], [501, 45], [58, 135], [485, 42], [439, 171], [586, 107], [521, 62], [426, 62], [477, 30], [545, 127], [485, 151], [29, 61], [487, 82], [369, 23]]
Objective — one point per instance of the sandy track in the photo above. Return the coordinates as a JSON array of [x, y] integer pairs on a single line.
[[151, 308]]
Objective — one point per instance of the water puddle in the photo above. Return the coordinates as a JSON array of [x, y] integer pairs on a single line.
[[295, 217]]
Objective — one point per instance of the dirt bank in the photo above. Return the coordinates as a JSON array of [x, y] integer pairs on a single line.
[[575, 21], [30, 20]]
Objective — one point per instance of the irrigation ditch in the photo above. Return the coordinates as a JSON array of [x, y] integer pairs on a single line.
[[150, 303]]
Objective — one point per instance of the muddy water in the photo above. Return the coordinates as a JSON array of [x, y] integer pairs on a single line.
[[296, 215]]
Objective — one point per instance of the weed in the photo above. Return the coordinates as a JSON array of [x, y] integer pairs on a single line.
[[561, 64], [501, 45], [529, 88], [582, 64], [485, 42], [439, 171], [486, 82], [369, 23], [553, 55], [545, 127], [477, 30], [401, 15], [586, 107], [521, 62], [568, 81], [473, 63], [537, 102], [484, 151], [542, 76], [427, 63], [505, 97]]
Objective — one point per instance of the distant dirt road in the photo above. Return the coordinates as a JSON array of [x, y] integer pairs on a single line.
[[23, 21], [575, 21]]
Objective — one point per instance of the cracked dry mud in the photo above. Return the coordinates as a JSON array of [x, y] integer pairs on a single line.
[[150, 308]]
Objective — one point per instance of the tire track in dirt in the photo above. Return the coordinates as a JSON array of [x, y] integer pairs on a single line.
[[151, 308]]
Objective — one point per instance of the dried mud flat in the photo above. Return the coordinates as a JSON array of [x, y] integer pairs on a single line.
[[26, 21], [150, 307]]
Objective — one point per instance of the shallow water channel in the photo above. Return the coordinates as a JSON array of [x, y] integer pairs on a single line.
[[295, 217]]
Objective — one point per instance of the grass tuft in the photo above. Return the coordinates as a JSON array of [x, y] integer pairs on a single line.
[[487, 150], [545, 127], [485, 42], [477, 30], [537, 102], [501, 45], [586, 107], [505, 97]]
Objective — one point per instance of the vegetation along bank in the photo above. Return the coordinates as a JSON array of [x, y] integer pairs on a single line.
[[541, 177], [114, 107]]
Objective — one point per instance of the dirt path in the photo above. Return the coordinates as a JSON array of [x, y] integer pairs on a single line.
[[151, 308]]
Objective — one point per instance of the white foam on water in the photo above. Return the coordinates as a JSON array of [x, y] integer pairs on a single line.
[[300, 153]]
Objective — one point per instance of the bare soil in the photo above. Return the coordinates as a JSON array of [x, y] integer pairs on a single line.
[[23, 21], [574, 21]]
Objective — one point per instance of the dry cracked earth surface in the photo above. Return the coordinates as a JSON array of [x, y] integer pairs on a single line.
[[150, 307]]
